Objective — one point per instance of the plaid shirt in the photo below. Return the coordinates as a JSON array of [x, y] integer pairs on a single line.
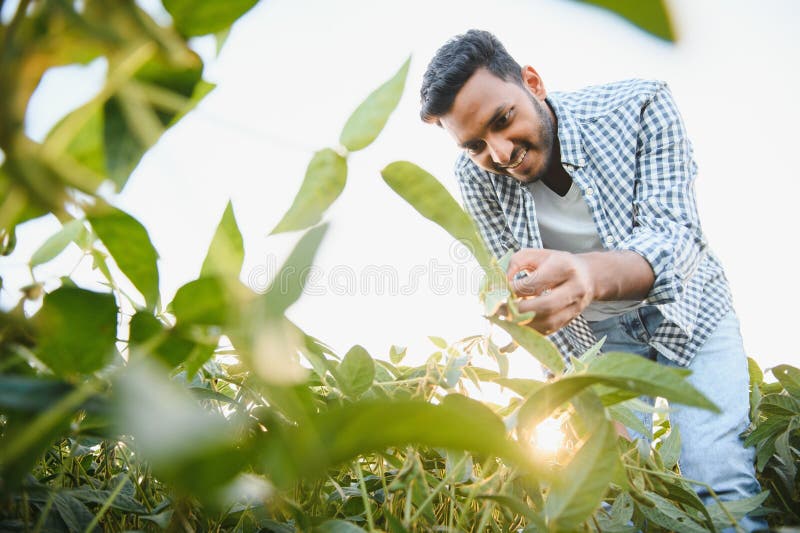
[[625, 146]]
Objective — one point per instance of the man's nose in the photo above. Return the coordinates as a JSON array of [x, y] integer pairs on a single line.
[[500, 149]]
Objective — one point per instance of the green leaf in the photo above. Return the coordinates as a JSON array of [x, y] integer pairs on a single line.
[[226, 253], [323, 183], [74, 513], [19, 393], [396, 354], [129, 244], [670, 449], [737, 508], [203, 301], [780, 404], [78, 329], [134, 121], [356, 372], [650, 15], [458, 465], [513, 504], [431, 200], [201, 17], [789, 377], [367, 121], [577, 491], [438, 342], [122, 502], [631, 374], [621, 413], [521, 386], [56, 243], [767, 428], [639, 375], [346, 431], [756, 375], [338, 526], [667, 515], [534, 343], [169, 347], [288, 285], [201, 90]]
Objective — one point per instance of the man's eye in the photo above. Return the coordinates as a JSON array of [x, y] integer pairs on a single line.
[[474, 148], [503, 120]]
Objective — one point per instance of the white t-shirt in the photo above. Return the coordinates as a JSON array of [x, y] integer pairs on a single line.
[[565, 223]]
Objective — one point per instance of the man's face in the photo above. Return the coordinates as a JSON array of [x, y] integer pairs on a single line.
[[504, 127]]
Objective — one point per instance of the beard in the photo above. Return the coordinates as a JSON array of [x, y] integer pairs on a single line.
[[547, 135]]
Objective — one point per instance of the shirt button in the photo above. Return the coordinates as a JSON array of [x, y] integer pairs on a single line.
[[581, 161], [589, 191], [609, 239]]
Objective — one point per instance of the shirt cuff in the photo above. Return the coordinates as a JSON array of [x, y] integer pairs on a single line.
[[657, 251]]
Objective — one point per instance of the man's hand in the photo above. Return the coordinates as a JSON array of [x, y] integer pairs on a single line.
[[560, 285]]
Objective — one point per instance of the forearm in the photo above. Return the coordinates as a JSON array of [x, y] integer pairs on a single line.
[[619, 275]]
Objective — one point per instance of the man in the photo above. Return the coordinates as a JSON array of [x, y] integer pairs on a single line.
[[595, 191]]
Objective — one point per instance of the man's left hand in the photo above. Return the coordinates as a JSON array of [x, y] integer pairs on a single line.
[[558, 287]]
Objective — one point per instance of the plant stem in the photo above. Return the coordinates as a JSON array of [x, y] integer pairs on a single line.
[[106, 504], [438, 488], [364, 496]]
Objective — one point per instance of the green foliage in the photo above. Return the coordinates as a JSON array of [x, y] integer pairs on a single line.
[[216, 412], [326, 175], [580, 487], [356, 372], [226, 252], [70, 232], [649, 15], [129, 244], [323, 183], [76, 330], [431, 200], [193, 18], [367, 121]]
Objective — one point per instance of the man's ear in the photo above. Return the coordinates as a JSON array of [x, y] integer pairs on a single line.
[[533, 82]]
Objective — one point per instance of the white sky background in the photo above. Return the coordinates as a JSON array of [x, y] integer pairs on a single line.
[[291, 73]]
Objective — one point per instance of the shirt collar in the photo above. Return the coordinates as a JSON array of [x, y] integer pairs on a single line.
[[569, 133]]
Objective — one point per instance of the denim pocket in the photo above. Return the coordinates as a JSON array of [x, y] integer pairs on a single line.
[[651, 318]]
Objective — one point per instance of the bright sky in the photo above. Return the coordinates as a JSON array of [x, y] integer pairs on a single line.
[[292, 72]]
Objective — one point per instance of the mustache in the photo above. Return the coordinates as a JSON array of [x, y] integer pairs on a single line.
[[513, 157]]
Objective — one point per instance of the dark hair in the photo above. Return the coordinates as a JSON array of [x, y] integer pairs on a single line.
[[455, 62]]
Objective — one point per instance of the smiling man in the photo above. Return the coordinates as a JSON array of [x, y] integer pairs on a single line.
[[594, 191]]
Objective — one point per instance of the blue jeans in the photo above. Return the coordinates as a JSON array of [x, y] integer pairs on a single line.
[[711, 449]]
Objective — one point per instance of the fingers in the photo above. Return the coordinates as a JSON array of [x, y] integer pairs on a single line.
[[553, 270], [553, 310], [537, 282], [526, 259]]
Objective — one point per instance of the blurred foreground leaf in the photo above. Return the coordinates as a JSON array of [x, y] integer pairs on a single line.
[[367, 121], [578, 489], [193, 449], [226, 252], [650, 15], [323, 183], [201, 17], [343, 432], [56, 243]]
